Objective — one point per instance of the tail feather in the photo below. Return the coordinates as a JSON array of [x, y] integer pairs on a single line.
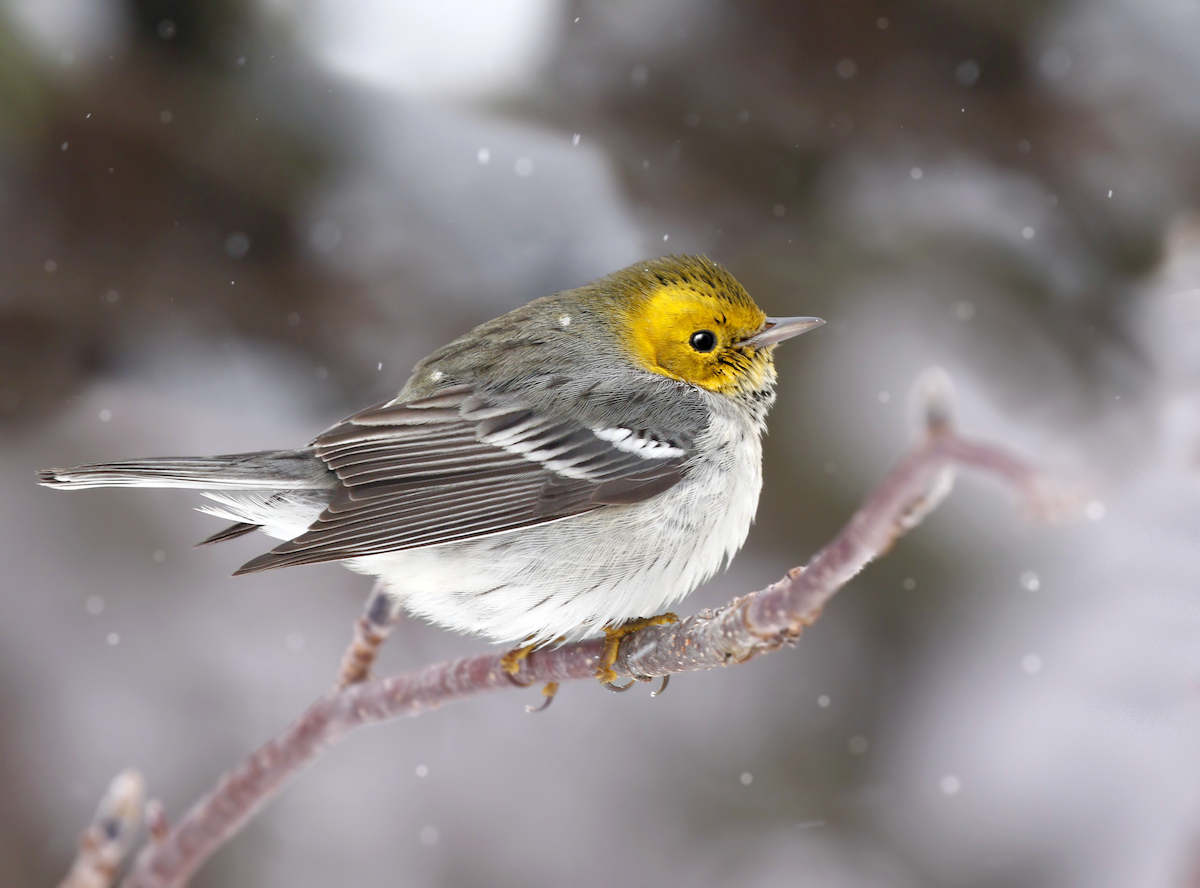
[[235, 530], [268, 469]]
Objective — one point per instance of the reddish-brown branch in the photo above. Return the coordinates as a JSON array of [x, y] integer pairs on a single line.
[[370, 632], [739, 631]]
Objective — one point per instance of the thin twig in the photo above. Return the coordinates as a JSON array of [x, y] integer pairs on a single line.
[[110, 835], [370, 632], [744, 628], [156, 820]]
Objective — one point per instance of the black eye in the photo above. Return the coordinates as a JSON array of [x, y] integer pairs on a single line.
[[703, 340]]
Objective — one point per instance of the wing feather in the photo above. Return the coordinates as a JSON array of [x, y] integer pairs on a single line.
[[460, 465]]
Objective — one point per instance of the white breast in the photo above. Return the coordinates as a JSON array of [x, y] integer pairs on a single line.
[[570, 578]]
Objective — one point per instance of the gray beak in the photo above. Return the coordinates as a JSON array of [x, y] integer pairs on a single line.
[[778, 329]]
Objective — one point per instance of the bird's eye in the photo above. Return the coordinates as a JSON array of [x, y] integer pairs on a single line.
[[703, 340]]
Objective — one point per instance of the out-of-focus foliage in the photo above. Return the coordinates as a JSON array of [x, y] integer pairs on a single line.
[[225, 225]]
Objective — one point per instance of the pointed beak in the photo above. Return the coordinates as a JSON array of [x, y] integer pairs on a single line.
[[778, 329]]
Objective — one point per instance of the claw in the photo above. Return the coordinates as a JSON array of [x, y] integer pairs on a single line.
[[612, 647], [616, 688], [548, 692], [662, 687]]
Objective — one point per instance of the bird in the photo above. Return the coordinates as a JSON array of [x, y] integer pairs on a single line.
[[561, 472]]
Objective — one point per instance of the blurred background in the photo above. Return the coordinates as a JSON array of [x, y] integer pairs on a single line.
[[226, 225]]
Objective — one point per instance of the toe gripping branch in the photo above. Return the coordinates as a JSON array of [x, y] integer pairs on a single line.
[[510, 663], [612, 648]]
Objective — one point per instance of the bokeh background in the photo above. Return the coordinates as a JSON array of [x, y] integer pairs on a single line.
[[225, 225]]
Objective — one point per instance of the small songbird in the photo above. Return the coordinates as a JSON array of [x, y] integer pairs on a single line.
[[581, 462]]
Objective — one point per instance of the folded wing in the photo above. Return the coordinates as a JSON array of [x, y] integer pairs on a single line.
[[460, 465]]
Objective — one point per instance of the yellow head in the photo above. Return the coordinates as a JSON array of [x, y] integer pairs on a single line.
[[687, 318]]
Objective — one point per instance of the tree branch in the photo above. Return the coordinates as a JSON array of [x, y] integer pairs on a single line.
[[744, 628], [370, 632], [110, 835]]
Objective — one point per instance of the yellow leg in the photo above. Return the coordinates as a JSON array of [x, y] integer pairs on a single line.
[[511, 662], [612, 644]]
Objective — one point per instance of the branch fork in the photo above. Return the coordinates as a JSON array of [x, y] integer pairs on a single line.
[[747, 627]]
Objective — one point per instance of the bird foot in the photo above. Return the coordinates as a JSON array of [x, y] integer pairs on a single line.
[[510, 663], [612, 646]]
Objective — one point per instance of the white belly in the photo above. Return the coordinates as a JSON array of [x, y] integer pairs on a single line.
[[570, 578]]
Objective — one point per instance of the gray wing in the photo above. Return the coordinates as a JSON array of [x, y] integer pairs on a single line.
[[459, 465]]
